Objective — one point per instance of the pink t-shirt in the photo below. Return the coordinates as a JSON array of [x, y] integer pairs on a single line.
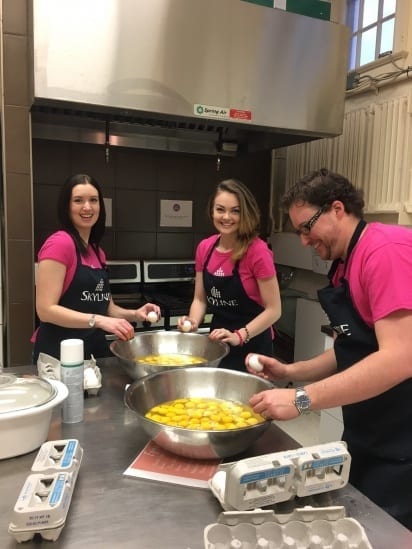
[[379, 272], [60, 247], [256, 264]]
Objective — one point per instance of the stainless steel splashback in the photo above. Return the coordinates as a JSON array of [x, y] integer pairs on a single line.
[[231, 70]]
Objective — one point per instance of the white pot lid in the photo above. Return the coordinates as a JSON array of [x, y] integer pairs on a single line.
[[23, 392]]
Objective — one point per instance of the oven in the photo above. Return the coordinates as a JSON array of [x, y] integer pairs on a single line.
[[170, 284], [125, 278]]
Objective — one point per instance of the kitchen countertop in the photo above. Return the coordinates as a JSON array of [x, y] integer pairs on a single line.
[[110, 510]]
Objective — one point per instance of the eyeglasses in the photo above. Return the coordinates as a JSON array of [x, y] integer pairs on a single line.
[[305, 228]]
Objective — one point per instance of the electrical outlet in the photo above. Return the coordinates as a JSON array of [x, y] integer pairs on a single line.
[[352, 80]]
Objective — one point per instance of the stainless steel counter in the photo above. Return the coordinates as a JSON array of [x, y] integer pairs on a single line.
[[110, 510]]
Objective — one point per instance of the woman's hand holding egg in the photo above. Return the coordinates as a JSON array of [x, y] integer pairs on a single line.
[[149, 312], [186, 326], [152, 316]]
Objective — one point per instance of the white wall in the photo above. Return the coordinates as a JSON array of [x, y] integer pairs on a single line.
[[306, 280], [374, 148]]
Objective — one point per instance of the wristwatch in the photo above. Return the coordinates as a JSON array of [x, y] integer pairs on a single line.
[[302, 401], [92, 321]]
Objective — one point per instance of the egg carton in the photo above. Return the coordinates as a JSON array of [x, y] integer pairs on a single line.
[[304, 528], [280, 476], [58, 456], [44, 500], [49, 367]]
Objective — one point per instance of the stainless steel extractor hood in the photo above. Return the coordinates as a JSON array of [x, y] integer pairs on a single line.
[[194, 75]]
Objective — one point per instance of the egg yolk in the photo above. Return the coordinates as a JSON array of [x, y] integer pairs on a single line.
[[170, 360], [204, 414]]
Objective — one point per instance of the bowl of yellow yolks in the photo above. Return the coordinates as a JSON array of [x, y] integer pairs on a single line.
[[152, 352], [201, 413]]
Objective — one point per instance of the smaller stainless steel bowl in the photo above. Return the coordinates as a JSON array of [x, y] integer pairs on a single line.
[[218, 383], [166, 342]]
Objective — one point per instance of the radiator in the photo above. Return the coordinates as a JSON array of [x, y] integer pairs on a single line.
[[374, 152]]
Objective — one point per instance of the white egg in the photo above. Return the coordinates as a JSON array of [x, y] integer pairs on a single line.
[[187, 326], [90, 378], [152, 316], [255, 363]]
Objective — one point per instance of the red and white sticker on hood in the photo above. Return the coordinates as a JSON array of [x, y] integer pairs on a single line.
[[223, 113]]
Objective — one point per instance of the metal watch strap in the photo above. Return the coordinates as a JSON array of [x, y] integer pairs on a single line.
[[302, 401], [92, 320]]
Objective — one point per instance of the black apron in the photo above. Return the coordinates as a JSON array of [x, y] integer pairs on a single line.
[[88, 292], [378, 431], [232, 308]]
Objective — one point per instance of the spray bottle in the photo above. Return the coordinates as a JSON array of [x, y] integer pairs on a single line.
[[72, 375]]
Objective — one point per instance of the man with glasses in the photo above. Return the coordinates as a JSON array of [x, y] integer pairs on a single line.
[[305, 228], [368, 371]]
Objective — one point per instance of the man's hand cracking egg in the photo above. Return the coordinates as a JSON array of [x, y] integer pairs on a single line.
[[255, 363]]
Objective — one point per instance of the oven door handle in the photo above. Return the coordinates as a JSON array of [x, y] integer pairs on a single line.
[[112, 337]]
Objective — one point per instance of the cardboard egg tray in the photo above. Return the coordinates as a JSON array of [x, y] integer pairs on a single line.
[[44, 500], [260, 481], [49, 367], [305, 528]]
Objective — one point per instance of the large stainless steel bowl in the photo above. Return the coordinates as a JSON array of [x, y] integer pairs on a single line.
[[207, 382], [162, 343]]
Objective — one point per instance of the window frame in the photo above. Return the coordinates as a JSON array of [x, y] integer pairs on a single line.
[[356, 35]]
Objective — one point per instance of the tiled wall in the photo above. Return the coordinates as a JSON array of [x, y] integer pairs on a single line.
[[17, 183], [137, 181]]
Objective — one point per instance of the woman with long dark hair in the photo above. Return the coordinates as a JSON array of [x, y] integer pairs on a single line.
[[73, 298]]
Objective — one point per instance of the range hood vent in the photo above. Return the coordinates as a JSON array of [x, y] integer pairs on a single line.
[[64, 123], [186, 75], [133, 118]]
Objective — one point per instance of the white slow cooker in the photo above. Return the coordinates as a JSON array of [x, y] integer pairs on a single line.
[[26, 406]]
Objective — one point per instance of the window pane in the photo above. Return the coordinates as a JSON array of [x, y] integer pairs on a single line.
[[354, 14], [387, 36], [352, 53], [368, 44], [389, 7], [370, 12]]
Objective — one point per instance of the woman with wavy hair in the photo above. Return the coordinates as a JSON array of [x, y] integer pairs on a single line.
[[235, 278]]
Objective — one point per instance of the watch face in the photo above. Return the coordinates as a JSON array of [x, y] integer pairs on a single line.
[[302, 400]]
